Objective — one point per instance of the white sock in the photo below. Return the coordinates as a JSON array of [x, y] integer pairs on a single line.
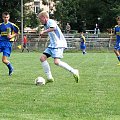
[[83, 50], [46, 69], [67, 67]]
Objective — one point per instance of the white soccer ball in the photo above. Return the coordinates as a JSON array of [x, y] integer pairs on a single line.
[[40, 81]]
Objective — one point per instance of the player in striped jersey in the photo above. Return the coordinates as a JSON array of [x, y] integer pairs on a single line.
[[117, 33], [8, 31]]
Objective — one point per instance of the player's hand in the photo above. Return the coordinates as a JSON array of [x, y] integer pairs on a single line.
[[41, 33], [111, 34], [9, 36]]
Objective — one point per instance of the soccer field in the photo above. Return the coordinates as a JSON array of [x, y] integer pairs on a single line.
[[95, 97]]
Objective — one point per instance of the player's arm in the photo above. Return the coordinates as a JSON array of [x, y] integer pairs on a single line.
[[112, 32], [15, 32], [12, 35], [47, 30]]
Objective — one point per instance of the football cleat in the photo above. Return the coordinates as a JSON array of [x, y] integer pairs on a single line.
[[76, 75], [118, 63], [50, 80], [84, 53], [10, 72]]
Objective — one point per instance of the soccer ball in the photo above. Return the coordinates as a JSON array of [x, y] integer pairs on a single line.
[[40, 81]]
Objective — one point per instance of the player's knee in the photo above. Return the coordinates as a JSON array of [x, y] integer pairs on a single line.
[[4, 61], [56, 62], [42, 58]]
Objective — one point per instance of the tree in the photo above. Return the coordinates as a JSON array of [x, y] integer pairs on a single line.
[[8, 5], [45, 2], [30, 20], [86, 13], [13, 7]]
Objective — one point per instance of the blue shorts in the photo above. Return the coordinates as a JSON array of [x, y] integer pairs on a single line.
[[117, 46], [82, 46], [6, 48], [54, 52]]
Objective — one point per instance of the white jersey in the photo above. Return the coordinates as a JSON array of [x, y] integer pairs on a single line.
[[57, 39]]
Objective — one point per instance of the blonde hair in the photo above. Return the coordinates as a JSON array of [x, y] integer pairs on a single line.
[[43, 13]]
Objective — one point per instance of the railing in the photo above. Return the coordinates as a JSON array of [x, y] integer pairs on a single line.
[[91, 43], [72, 44], [37, 43]]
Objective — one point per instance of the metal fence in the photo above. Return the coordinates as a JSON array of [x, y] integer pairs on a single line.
[[39, 44]]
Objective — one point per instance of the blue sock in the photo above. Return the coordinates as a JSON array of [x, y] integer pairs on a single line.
[[118, 58], [9, 66]]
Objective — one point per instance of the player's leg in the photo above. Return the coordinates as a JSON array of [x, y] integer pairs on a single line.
[[46, 67], [24, 46], [27, 49], [23, 49], [83, 48], [67, 67], [6, 53], [59, 54], [8, 64], [84, 52], [117, 52]]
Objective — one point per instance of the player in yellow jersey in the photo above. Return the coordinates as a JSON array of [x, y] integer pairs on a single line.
[[82, 42], [117, 33], [8, 31]]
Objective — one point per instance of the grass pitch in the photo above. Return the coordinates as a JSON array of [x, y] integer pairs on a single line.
[[95, 97]]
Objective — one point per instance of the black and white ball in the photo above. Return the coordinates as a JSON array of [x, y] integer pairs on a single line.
[[40, 81]]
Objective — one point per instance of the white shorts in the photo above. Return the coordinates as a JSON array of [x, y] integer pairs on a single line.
[[54, 52]]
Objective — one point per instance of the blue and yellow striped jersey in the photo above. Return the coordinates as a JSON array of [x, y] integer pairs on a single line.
[[8, 28], [82, 38], [117, 33]]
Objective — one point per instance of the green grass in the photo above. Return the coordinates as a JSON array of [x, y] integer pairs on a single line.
[[95, 97]]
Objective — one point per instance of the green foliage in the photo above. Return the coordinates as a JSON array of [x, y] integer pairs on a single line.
[[8, 5], [79, 13], [13, 7], [26, 1], [45, 2], [85, 13], [30, 20]]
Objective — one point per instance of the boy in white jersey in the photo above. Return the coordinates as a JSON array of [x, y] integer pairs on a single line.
[[55, 48]]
